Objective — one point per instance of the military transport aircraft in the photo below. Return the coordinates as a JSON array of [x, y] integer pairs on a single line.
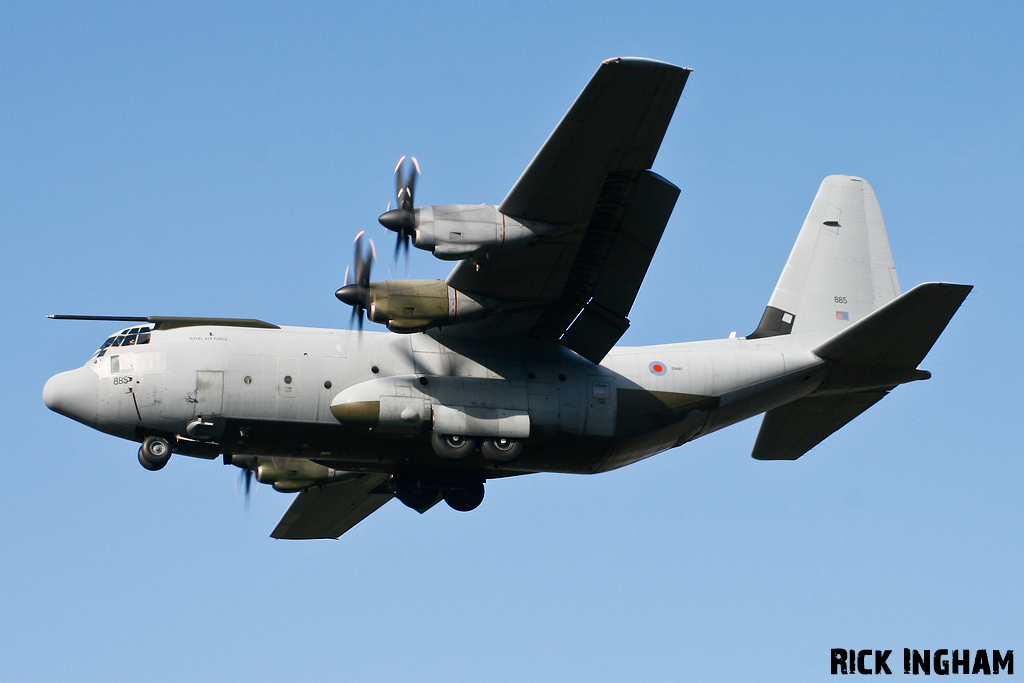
[[509, 366]]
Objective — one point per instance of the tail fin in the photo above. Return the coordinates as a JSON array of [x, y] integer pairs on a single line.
[[840, 269]]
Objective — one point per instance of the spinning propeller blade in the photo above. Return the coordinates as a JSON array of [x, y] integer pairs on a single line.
[[357, 295], [403, 218], [247, 463]]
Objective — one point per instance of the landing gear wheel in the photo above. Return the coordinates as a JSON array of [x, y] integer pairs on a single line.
[[466, 498], [501, 449], [412, 494], [452, 446], [154, 453]]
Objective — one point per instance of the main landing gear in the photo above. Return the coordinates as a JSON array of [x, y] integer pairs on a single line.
[[154, 453], [421, 492], [501, 449], [456, 447]]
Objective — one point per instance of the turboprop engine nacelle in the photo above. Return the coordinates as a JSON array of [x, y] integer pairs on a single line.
[[457, 231], [413, 305], [289, 475], [405, 404]]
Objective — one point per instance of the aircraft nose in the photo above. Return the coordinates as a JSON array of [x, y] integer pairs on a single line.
[[73, 394]]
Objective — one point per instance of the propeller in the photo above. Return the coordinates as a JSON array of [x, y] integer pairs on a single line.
[[357, 294], [247, 473], [403, 219], [247, 463]]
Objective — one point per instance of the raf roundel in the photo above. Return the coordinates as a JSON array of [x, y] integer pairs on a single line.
[[657, 367]]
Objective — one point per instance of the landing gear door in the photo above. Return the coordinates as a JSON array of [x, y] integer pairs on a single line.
[[601, 405], [209, 393]]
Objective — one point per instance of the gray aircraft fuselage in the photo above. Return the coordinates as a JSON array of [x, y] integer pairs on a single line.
[[508, 366], [270, 392]]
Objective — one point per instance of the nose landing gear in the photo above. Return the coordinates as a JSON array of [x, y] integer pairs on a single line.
[[154, 453]]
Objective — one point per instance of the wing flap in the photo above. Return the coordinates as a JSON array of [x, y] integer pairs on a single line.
[[582, 285], [600, 303], [330, 511]]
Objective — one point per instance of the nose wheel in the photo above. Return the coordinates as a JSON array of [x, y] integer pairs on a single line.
[[154, 453]]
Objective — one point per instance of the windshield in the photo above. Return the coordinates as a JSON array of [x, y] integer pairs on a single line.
[[129, 337]]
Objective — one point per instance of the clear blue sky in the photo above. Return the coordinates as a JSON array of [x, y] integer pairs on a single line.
[[217, 159]]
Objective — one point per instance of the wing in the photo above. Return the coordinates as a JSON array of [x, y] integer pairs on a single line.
[[330, 511], [591, 178], [616, 124]]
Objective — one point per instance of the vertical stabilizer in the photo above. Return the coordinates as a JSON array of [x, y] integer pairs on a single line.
[[841, 267]]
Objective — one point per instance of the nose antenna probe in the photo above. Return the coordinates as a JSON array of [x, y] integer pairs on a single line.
[[109, 318], [163, 322]]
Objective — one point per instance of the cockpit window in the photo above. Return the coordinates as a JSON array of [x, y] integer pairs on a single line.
[[130, 337]]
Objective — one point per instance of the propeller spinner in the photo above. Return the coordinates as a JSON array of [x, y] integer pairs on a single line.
[[403, 219], [357, 294]]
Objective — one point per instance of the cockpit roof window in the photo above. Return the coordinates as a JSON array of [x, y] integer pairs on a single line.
[[132, 336]]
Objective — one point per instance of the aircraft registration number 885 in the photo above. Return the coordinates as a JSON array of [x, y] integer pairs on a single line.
[[122, 379]]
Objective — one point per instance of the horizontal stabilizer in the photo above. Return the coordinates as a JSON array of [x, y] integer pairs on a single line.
[[330, 511], [867, 360], [899, 334], [791, 430]]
